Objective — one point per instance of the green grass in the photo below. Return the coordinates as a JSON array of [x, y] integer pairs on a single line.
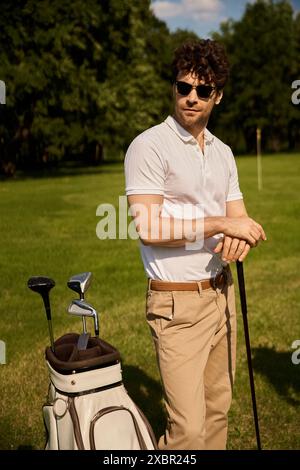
[[48, 227]]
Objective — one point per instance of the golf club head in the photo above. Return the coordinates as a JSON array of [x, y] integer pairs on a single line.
[[40, 284], [80, 283], [81, 308]]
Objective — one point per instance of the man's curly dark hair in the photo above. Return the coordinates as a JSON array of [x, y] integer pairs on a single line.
[[205, 58]]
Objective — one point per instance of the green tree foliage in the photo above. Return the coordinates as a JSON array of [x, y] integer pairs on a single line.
[[84, 78], [50, 56], [264, 60], [129, 96], [78, 78]]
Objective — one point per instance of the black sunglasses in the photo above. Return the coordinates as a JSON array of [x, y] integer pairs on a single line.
[[203, 91]]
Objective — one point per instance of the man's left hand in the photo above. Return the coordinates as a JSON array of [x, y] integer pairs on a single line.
[[232, 249]]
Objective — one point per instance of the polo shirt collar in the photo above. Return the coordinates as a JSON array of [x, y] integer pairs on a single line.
[[183, 134]]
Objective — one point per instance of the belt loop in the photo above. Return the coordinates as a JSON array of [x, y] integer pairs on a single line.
[[149, 283], [200, 288]]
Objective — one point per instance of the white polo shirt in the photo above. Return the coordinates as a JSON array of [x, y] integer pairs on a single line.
[[167, 160]]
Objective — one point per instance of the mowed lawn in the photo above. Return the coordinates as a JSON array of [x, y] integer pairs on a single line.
[[48, 227]]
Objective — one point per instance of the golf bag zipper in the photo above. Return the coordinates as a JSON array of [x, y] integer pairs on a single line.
[[111, 409]]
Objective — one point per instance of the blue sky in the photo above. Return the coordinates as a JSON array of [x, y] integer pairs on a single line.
[[201, 16]]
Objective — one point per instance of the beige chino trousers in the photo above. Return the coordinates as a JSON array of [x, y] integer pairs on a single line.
[[195, 339]]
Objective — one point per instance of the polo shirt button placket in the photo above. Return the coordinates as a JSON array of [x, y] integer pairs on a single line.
[[200, 156]]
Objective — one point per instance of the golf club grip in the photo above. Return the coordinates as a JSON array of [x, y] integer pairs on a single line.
[[242, 289]]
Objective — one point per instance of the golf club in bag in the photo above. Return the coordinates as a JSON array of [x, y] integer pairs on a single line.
[[80, 284], [88, 406], [42, 285], [241, 281]]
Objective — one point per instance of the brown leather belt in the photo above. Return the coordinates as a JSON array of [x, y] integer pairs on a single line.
[[217, 281]]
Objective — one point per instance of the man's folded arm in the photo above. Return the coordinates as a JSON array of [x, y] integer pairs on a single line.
[[154, 229]]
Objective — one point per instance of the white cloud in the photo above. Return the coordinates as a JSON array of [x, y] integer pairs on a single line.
[[191, 9], [166, 9]]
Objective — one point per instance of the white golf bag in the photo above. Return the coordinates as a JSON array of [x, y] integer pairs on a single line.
[[88, 406]]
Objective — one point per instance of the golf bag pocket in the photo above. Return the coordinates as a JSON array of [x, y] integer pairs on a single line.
[[92, 410], [50, 426], [116, 427]]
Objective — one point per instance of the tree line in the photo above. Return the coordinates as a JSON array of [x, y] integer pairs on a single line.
[[84, 78]]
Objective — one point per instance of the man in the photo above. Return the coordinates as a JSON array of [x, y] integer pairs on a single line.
[[183, 190]]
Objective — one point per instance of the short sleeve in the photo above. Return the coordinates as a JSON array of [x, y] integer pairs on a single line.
[[144, 169], [234, 192]]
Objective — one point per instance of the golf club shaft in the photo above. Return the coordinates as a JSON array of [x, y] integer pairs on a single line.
[[49, 318], [241, 281], [51, 335], [84, 325], [83, 318]]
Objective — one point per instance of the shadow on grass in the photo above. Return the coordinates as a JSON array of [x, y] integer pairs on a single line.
[[26, 447], [143, 390], [8, 437], [147, 394], [67, 169], [278, 368]]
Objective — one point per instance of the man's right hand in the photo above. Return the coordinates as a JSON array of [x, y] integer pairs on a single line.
[[232, 249], [244, 228]]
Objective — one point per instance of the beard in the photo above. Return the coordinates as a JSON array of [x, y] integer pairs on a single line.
[[191, 120]]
